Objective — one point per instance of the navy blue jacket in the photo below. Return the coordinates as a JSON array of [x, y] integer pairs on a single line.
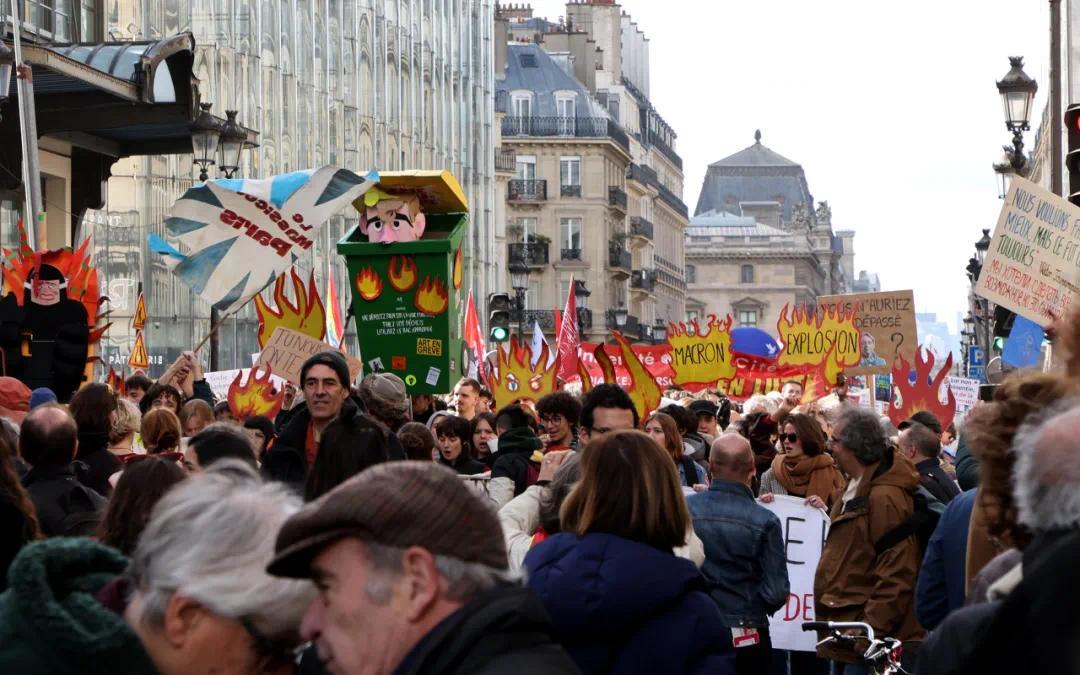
[[625, 608], [745, 562], [941, 586]]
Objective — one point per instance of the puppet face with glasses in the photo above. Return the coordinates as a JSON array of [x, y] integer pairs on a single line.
[[390, 218]]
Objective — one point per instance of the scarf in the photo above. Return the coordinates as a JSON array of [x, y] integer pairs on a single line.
[[803, 476]]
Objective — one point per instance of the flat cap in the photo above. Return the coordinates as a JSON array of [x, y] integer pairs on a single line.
[[399, 504]]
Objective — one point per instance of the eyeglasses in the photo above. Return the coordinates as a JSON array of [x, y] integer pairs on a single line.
[[790, 438], [272, 654]]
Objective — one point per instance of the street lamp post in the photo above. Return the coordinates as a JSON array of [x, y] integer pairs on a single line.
[[205, 134], [981, 247], [659, 332], [1017, 92], [519, 280], [233, 140], [581, 301], [621, 316]]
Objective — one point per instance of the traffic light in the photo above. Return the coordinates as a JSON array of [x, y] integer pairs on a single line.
[[1072, 155], [1003, 321], [499, 317], [999, 344]]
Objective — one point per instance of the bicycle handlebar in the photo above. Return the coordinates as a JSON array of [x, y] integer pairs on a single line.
[[838, 626]]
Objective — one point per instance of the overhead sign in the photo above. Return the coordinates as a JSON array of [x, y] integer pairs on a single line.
[[1034, 257], [287, 350], [804, 529], [886, 326]]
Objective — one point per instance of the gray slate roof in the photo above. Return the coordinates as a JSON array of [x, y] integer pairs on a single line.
[[724, 224], [543, 80]]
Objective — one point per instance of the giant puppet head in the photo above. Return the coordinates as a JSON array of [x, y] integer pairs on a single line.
[[392, 217]]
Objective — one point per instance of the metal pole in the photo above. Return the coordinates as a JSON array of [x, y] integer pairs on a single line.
[[519, 294], [1056, 122], [215, 340], [31, 171]]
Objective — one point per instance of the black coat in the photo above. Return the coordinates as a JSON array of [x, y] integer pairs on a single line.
[[516, 446], [96, 463], [65, 507], [936, 481], [14, 534]]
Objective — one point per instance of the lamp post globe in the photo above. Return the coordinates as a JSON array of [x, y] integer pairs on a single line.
[[982, 246], [233, 139], [205, 133], [1017, 92], [620, 316]]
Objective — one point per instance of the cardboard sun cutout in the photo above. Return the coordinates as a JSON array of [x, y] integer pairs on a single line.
[[517, 380]]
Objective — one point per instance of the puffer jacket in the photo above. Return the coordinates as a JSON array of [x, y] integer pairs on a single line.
[[853, 582]]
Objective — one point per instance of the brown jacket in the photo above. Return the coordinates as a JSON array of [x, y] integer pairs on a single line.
[[853, 583]]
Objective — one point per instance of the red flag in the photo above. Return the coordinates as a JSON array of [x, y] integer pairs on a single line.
[[474, 340], [569, 340]]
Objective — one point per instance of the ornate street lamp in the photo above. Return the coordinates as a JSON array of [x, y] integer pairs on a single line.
[[1004, 170], [233, 141], [7, 64], [519, 281], [982, 246], [621, 315], [1017, 93], [205, 132]]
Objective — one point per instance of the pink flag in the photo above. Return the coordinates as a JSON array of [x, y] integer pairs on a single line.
[[474, 340], [569, 340]]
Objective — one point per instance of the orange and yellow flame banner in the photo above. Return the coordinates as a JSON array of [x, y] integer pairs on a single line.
[[257, 396], [307, 315]]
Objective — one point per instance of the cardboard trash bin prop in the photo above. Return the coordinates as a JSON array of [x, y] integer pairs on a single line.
[[406, 288]]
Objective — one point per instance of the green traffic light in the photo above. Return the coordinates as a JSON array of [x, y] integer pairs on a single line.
[[499, 334], [999, 344]]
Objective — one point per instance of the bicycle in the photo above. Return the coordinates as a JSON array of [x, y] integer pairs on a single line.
[[882, 657]]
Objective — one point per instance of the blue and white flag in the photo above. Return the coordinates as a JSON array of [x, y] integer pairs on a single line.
[[536, 346], [241, 234]]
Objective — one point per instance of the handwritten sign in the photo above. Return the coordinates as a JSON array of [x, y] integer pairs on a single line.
[[966, 392], [1034, 257], [288, 349], [701, 355], [886, 326], [804, 529]]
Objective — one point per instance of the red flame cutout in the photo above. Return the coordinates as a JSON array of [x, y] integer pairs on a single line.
[[909, 398]]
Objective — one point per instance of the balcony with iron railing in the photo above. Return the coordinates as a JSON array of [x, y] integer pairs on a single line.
[[570, 254], [620, 260], [641, 228], [569, 190], [666, 150], [566, 127], [643, 280], [526, 191], [546, 318], [532, 253], [617, 198], [672, 200], [642, 174], [505, 160]]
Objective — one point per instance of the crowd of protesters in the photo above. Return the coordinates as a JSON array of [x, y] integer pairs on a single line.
[[364, 530]]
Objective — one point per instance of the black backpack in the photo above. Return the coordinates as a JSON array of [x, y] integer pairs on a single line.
[[921, 523]]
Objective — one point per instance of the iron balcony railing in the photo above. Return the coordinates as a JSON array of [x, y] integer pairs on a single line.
[[546, 319], [617, 197], [570, 190], [505, 160], [643, 279], [526, 190], [641, 227], [569, 127], [619, 257], [570, 254], [533, 253]]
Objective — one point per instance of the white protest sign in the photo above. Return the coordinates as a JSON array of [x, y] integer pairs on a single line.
[[804, 529], [966, 392], [220, 380]]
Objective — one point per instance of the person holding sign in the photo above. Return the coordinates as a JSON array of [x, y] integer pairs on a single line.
[[804, 469]]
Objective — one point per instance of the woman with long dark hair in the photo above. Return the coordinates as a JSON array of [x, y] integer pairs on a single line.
[[665, 431], [18, 518], [144, 481], [804, 469], [453, 438], [94, 408], [483, 435]]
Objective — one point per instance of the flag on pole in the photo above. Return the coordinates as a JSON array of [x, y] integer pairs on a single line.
[[569, 341], [474, 340], [335, 327], [536, 344]]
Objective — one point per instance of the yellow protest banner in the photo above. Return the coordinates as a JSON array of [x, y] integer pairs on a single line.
[[809, 335], [699, 355]]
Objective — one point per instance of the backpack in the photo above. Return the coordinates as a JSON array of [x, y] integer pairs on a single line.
[[921, 522]]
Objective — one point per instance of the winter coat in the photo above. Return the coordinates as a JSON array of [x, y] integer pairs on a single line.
[[745, 562], [97, 463], [853, 582], [510, 472], [967, 467], [504, 631], [50, 620], [64, 506], [15, 533], [941, 586], [936, 481], [624, 608]]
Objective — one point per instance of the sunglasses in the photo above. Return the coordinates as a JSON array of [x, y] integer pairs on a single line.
[[790, 438]]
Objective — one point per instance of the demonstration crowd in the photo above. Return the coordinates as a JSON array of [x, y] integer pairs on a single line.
[[363, 530]]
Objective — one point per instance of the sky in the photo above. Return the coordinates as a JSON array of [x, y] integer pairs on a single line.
[[890, 108]]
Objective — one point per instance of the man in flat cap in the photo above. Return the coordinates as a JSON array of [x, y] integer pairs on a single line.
[[413, 578]]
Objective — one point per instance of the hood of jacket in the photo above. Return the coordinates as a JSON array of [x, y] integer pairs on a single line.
[[606, 585], [50, 618], [519, 440], [894, 471]]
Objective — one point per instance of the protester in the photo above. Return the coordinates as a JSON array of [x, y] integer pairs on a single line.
[[260, 431], [517, 465], [605, 408], [706, 414], [195, 416], [385, 398], [412, 578], [922, 446], [455, 446], [664, 431], [694, 444], [18, 518], [93, 407], [350, 444], [925, 418], [64, 506], [41, 396], [745, 560], [422, 407], [533, 516], [942, 582], [417, 441], [136, 386], [142, 484], [854, 582], [760, 427], [161, 395], [620, 601], [14, 399], [559, 414], [484, 440], [220, 440], [466, 397], [161, 433], [223, 413], [126, 422], [804, 469]]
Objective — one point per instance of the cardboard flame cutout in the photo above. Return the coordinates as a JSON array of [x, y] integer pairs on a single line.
[[402, 273], [909, 398], [116, 381], [431, 297], [307, 316], [643, 389], [701, 357], [809, 335], [516, 379], [255, 397], [368, 284]]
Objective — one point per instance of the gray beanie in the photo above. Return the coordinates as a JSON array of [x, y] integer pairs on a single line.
[[333, 360]]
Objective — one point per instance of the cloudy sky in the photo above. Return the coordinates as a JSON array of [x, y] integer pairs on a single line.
[[890, 108]]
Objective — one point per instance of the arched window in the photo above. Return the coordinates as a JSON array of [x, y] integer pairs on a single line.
[[746, 274]]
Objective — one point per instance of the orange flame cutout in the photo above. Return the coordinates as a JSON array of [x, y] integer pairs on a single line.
[[307, 316], [458, 264], [643, 389], [909, 398], [810, 335], [115, 381], [403, 278], [431, 297], [701, 357], [256, 397], [368, 284], [607, 368], [517, 379], [586, 379]]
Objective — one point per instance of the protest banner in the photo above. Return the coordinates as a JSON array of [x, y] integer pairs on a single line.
[[886, 326], [804, 529], [701, 355], [655, 358], [219, 381], [1034, 257], [287, 350], [965, 390]]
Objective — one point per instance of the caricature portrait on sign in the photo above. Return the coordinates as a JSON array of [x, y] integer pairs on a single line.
[[390, 217]]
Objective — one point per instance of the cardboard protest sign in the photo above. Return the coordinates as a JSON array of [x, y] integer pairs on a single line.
[[219, 380], [517, 377], [924, 391], [701, 355], [257, 396], [307, 315], [804, 529], [965, 390], [287, 350], [1023, 349], [1034, 257], [655, 358], [886, 326]]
